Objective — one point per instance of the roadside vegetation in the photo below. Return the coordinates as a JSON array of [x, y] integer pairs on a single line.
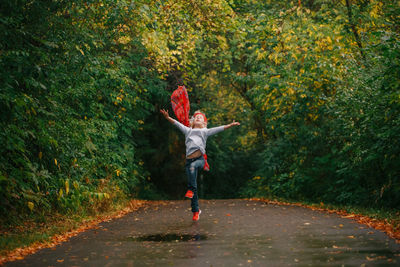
[[315, 85]]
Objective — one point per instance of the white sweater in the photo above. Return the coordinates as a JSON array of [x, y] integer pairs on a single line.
[[196, 139]]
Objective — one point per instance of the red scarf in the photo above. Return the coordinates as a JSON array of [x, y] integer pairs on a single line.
[[181, 107]]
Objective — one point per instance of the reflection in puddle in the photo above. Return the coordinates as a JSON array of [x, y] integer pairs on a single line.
[[168, 238]]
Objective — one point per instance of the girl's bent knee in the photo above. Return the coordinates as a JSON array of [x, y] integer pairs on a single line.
[[192, 168]]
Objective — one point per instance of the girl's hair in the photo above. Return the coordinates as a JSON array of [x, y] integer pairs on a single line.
[[191, 120]]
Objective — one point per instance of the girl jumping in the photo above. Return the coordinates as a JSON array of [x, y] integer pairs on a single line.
[[195, 140]]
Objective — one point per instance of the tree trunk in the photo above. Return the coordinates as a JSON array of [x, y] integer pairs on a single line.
[[354, 29], [258, 124]]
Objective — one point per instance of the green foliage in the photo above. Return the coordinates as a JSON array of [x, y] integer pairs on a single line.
[[331, 116], [315, 87], [75, 90]]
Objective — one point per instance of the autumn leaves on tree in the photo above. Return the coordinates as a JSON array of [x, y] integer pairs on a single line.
[[314, 83]]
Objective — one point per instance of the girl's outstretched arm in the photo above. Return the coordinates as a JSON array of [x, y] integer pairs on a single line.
[[166, 115], [179, 125], [221, 128], [234, 123]]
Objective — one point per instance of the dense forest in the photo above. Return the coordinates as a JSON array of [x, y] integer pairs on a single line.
[[315, 85]]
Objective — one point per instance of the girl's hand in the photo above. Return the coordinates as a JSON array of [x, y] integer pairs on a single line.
[[165, 113], [234, 123]]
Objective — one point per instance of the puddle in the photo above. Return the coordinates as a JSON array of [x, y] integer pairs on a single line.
[[168, 238]]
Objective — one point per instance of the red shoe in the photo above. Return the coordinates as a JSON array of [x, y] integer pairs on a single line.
[[196, 215], [189, 194]]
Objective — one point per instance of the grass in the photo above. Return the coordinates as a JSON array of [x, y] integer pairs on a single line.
[[26, 236], [25, 233]]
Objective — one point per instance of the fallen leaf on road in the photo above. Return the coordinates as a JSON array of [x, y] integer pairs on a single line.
[[228, 214], [60, 260], [335, 252], [350, 236]]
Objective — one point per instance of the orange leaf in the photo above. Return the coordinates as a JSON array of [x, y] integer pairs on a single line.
[[369, 259]]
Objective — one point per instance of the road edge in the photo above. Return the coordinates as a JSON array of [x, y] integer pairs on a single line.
[[381, 225], [22, 252]]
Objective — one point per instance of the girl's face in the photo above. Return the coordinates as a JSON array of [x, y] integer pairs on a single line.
[[199, 121]]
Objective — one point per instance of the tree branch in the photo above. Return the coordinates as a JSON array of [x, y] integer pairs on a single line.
[[354, 29]]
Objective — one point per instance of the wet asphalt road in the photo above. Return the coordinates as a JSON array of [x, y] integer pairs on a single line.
[[229, 233]]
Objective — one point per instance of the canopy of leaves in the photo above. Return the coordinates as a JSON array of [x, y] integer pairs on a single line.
[[315, 85]]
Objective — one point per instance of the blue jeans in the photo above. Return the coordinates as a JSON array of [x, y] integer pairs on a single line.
[[192, 167]]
